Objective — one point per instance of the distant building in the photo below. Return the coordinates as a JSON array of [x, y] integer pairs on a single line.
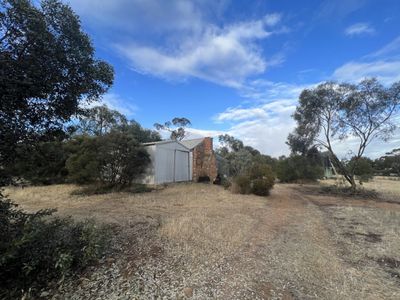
[[179, 161], [170, 162]]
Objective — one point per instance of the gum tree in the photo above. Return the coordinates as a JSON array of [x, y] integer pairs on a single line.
[[47, 70], [338, 111], [176, 127]]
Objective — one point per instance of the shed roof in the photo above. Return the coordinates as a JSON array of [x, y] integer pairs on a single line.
[[165, 142], [191, 144], [159, 142]]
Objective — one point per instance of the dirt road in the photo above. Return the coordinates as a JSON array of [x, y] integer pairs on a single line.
[[202, 242]]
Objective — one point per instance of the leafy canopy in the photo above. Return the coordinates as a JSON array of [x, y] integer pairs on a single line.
[[47, 70], [176, 127], [337, 111]]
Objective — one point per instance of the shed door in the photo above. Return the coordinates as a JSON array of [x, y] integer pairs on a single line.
[[182, 167]]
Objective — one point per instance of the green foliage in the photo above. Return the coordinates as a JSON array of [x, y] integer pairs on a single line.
[[43, 163], [260, 170], [100, 120], [362, 168], [83, 165], [388, 164], [262, 186], [298, 168], [242, 184], [336, 111], [47, 70], [258, 179], [176, 127], [139, 133], [36, 248], [263, 179], [234, 158], [114, 158], [251, 171]]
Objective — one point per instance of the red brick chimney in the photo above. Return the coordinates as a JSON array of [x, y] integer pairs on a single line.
[[208, 145]]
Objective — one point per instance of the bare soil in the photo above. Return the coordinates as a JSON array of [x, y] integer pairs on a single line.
[[200, 241]]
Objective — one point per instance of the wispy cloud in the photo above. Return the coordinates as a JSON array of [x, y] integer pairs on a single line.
[[115, 101], [338, 9], [383, 64], [131, 16], [266, 121], [226, 56], [385, 71], [359, 29], [264, 127], [392, 48]]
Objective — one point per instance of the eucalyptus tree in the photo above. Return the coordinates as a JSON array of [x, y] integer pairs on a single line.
[[47, 70], [176, 127], [100, 120], [339, 111]]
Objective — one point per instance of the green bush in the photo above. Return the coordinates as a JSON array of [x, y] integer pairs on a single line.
[[42, 163], [362, 168], [259, 180], [298, 168], [37, 248], [115, 159], [261, 186], [241, 184]]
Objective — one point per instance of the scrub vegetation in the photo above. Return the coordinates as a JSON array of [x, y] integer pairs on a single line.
[[201, 239]]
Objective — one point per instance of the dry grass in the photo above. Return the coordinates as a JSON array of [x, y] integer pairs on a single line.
[[388, 187], [292, 244]]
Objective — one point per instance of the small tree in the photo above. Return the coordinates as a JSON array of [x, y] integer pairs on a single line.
[[176, 127], [389, 163], [100, 120], [139, 133], [333, 111], [113, 158], [299, 168], [42, 163], [363, 169]]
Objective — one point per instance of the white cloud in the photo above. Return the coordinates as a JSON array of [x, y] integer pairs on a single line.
[[359, 29], [132, 16], [238, 114], [385, 71], [194, 133], [176, 40], [272, 19], [226, 56], [114, 101], [264, 127], [338, 9], [266, 90], [383, 64], [391, 48]]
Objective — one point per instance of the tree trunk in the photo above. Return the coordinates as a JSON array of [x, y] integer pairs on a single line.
[[342, 169]]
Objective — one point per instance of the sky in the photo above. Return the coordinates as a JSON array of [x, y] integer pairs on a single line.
[[238, 67]]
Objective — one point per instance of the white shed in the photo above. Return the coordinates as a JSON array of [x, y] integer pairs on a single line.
[[170, 162]]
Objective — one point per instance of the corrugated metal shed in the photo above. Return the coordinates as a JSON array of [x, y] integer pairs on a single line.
[[170, 162], [191, 144]]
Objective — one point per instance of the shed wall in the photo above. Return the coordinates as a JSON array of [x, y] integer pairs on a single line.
[[172, 163]]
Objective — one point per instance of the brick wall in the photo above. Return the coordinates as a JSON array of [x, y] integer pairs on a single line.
[[204, 160]]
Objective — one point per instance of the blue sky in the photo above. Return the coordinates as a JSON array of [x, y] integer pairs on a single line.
[[238, 67]]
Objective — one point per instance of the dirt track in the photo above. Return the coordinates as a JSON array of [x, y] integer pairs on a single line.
[[202, 242]]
